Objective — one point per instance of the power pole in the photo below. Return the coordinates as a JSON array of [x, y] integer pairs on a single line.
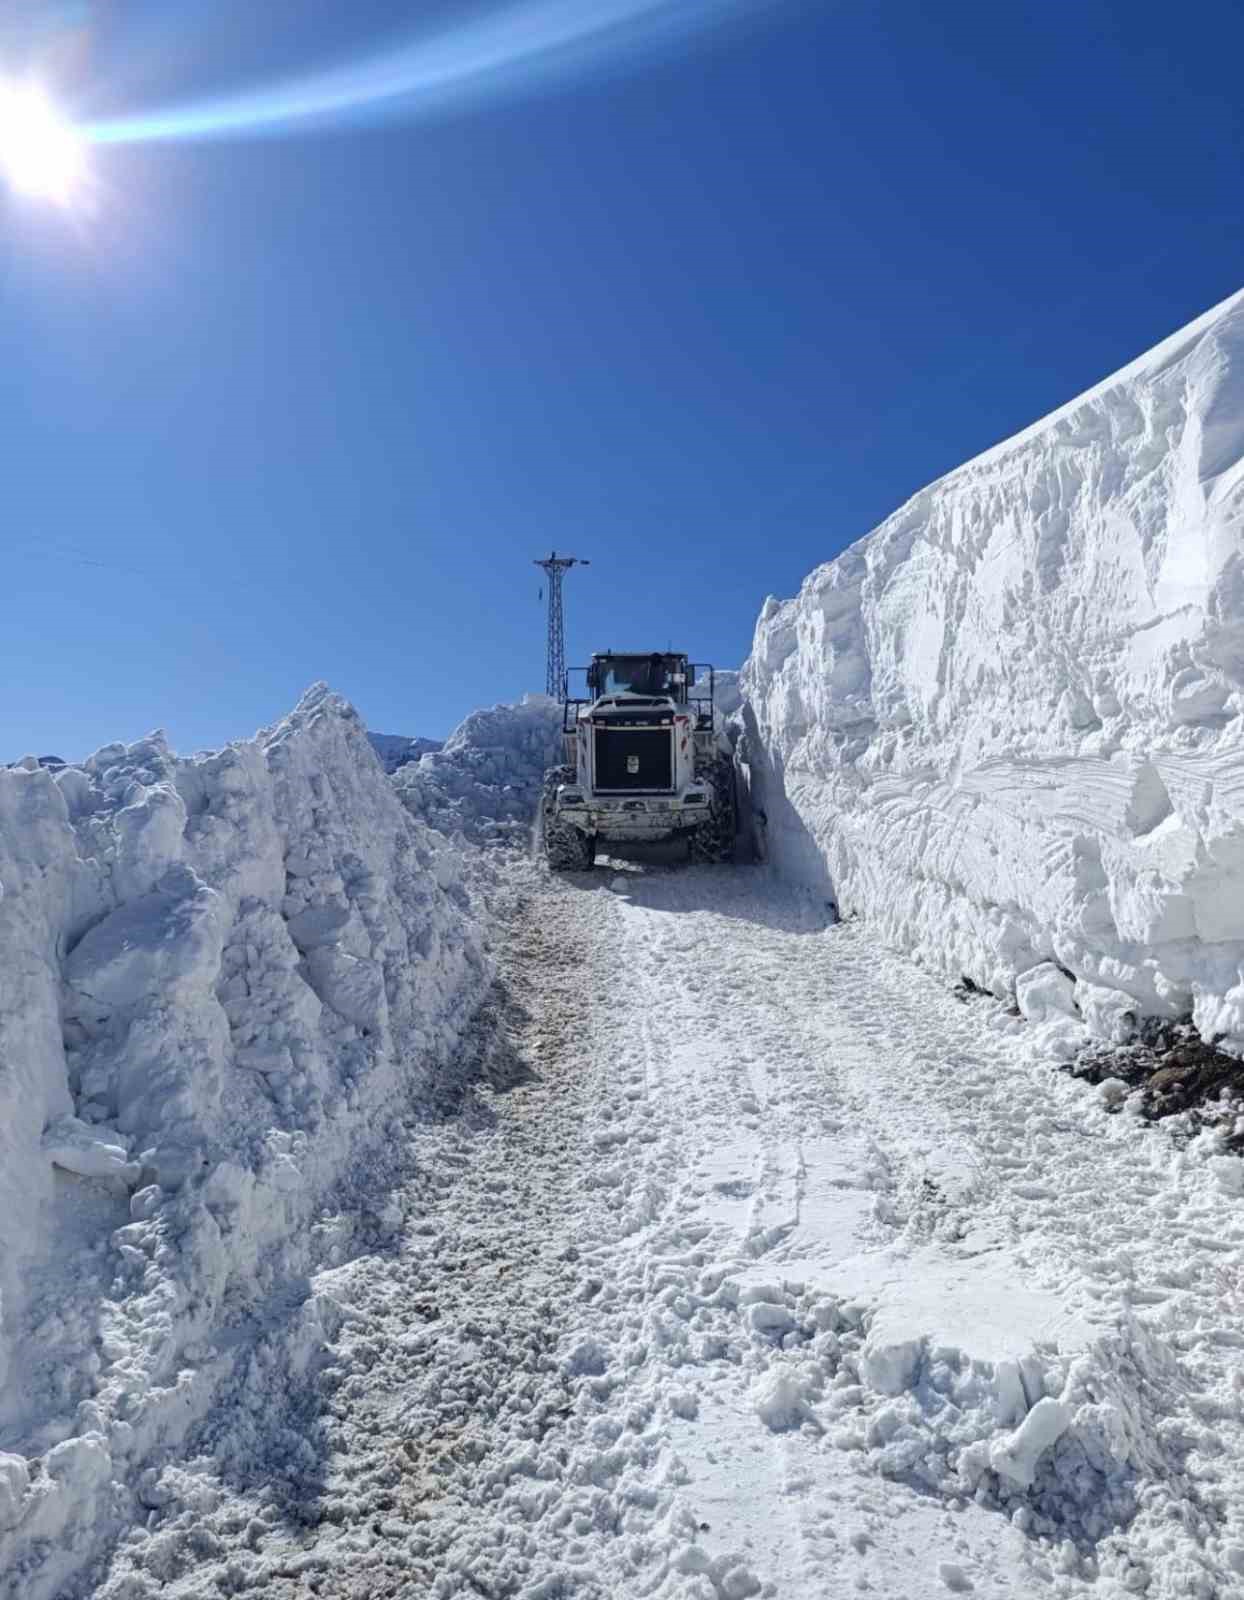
[[555, 568]]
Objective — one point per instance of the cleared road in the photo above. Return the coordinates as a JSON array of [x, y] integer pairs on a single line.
[[738, 1257]]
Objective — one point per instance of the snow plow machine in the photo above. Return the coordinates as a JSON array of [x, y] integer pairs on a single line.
[[645, 762]]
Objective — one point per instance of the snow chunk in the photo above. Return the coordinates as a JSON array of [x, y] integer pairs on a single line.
[[1229, 1171], [14, 1481], [1108, 1013], [1045, 992], [684, 1403], [890, 1363], [976, 1310], [780, 1397], [79, 1465], [1016, 1458], [166, 942], [589, 1358], [75, 1147], [764, 1316]]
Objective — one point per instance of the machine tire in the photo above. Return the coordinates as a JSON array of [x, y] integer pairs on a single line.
[[568, 850], [713, 840], [565, 848]]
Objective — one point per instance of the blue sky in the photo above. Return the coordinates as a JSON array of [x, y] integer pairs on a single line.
[[307, 405]]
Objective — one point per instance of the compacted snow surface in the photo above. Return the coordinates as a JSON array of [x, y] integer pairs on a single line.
[[732, 1257]]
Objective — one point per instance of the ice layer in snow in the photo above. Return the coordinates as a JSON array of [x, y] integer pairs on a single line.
[[1006, 726], [221, 978]]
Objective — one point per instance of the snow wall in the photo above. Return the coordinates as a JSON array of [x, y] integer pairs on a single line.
[[1006, 726], [220, 978]]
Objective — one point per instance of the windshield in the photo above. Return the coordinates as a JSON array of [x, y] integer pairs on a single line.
[[655, 674]]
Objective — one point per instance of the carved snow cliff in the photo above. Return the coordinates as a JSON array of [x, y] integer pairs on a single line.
[[1006, 726]]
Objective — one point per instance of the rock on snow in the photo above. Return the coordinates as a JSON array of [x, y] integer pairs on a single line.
[[1005, 727], [223, 977]]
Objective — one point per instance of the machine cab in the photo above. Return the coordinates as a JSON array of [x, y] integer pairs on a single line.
[[656, 676]]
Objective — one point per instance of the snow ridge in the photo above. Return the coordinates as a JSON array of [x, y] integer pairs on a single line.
[[223, 976], [1006, 726]]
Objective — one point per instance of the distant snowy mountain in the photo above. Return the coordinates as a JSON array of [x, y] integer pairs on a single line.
[[395, 750], [1006, 727]]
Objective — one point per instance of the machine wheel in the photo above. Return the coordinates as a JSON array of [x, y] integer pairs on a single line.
[[713, 840], [568, 850], [565, 848]]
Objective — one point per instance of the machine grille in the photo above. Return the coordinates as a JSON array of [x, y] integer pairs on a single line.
[[637, 759]]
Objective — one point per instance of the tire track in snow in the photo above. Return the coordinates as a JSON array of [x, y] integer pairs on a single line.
[[482, 1405], [587, 1354], [986, 1152]]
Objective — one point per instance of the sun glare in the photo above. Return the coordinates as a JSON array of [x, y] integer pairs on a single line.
[[41, 154]]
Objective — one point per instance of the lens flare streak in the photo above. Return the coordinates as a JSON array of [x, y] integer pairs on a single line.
[[518, 47]]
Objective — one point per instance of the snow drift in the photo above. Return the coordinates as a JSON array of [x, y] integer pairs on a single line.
[[1006, 726], [220, 978]]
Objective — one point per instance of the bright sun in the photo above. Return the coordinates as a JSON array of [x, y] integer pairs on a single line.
[[41, 154]]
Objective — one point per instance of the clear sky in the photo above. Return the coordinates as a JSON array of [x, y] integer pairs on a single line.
[[304, 401]]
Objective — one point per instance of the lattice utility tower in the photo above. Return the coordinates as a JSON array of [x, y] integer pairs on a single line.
[[556, 567]]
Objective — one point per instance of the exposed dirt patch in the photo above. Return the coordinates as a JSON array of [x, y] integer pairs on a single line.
[[1177, 1072]]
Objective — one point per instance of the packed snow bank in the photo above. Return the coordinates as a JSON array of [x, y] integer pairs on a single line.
[[1006, 727], [219, 979], [484, 783], [396, 750]]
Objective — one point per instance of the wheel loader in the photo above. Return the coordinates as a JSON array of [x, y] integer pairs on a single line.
[[645, 761]]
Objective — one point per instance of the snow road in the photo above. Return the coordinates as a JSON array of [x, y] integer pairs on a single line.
[[739, 1258]]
